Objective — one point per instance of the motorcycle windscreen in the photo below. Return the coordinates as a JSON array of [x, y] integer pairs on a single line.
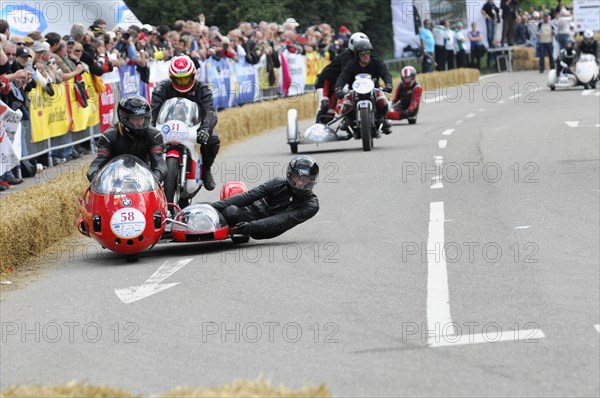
[[124, 174], [180, 109], [199, 218]]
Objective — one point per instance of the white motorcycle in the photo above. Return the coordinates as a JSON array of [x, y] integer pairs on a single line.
[[585, 74], [179, 120]]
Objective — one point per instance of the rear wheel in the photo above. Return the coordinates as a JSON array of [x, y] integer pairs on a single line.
[[365, 129], [171, 182], [412, 121], [294, 147], [552, 87]]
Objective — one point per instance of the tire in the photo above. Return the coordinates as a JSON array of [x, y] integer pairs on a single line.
[[552, 87], [171, 182], [365, 129], [412, 121], [586, 86], [294, 147], [240, 239]]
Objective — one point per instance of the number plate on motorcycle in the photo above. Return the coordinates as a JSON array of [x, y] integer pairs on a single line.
[[175, 131], [128, 223]]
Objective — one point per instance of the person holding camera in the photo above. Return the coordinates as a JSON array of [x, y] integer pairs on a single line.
[[182, 83]]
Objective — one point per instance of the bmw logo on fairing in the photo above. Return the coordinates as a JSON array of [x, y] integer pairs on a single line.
[[165, 129], [126, 202]]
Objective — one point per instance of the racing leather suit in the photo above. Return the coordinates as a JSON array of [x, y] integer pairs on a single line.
[[378, 70], [407, 99], [585, 48], [565, 56], [148, 147], [201, 95], [326, 80], [271, 208]]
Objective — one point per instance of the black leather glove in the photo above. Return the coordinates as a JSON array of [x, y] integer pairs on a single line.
[[243, 228], [202, 137], [339, 92], [387, 89]]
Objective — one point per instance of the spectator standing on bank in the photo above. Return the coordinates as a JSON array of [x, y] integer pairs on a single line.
[[440, 37], [491, 13], [428, 46], [545, 35]]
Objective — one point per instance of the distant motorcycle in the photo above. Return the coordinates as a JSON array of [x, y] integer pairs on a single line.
[[585, 74], [360, 120], [178, 121]]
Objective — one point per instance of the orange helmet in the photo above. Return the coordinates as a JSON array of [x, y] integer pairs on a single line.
[[182, 72]]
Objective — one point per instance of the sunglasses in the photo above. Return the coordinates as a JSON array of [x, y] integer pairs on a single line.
[[77, 51], [9, 54], [364, 53], [20, 44]]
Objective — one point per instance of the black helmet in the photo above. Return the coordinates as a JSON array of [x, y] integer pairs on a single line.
[[569, 44], [362, 45], [302, 173], [134, 114]]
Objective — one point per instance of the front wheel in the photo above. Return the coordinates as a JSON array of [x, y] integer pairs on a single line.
[[294, 147], [365, 129], [171, 181], [412, 121], [552, 87]]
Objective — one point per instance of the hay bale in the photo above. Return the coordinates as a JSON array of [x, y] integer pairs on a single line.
[[37, 217], [523, 53], [72, 389], [243, 388]]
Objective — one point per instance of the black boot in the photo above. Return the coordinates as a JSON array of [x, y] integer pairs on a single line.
[[207, 178]]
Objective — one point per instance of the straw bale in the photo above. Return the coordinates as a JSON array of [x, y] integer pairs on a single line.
[[241, 388]]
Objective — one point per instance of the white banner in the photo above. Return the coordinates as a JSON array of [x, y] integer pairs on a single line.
[[297, 67], [403, 22], [10, 138], [586, 15]]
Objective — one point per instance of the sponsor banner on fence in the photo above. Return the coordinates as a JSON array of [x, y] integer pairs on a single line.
[[107, 108], [296, 66], [49, 115], [10, 138], [246, 89]]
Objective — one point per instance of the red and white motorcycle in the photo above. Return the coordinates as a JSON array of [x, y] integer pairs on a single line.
[[179, 120]]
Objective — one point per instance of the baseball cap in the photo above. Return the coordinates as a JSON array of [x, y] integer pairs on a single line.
[[291, 21], [344, 29], [23, 52], [38, 47]]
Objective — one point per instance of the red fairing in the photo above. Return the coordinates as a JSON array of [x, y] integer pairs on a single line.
[[231, 188], [124, 223]]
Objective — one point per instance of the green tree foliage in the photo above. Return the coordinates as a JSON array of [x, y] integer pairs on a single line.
[[372, 17]]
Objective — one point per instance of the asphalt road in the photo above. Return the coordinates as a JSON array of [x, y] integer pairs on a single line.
[[464, 268]]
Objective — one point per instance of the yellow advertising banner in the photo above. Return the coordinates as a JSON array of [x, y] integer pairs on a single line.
[[49, 114], [93, 103], [80, 115], [313, 67]]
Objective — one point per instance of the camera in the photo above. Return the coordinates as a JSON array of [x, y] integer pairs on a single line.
[[52, 61]]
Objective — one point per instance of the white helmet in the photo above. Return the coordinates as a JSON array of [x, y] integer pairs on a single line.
[[356, 36], [588, 35]]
